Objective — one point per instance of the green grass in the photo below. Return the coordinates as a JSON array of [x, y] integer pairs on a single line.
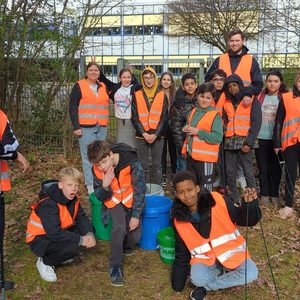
[[146, 277]]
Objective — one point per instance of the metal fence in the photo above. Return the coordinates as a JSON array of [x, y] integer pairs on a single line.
[[58, 136]]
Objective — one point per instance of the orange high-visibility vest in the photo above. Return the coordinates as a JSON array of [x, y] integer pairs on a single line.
[[93, 110], [220, 104], [5, 184], [35, 226], [243, 70], [149, 119], [225, 243], [122, 189], [202, 150], [239, 120], [290, 134]]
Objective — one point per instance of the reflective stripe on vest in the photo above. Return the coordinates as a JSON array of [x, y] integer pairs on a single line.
[[122, 188], [243, 70], [220, 104], [5, 184], [149, 119], [201, 150], [225, 243], [35, 226], [290, 134], [238, 120], [93, 109]]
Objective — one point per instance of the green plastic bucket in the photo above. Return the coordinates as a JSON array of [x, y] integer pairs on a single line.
[[101, 232], [166, 241]]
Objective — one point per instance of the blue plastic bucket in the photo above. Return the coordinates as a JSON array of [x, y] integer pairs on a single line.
[[155, 217], [153, 189]]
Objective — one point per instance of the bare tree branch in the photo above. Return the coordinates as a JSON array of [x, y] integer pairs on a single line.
[[210, 21]]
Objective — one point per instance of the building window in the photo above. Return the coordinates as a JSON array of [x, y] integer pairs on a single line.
[[115, 30], [158, 29], [138, 30], [109, 70], [148, 30], [128, 30]]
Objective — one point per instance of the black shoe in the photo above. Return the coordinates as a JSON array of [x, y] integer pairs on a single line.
[[128, 252], [164, 180], [198, 293], [116, 276]]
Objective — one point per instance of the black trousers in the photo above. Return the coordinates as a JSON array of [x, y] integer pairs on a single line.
[[269, 168], [2, 228], [120, 236], [169, 145], [58, 252], [203, 171], [291, 156]]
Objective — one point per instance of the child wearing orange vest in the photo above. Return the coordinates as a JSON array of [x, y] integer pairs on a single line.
[[58, 225], [268, 162], [241, 128], [204, 135], [217, 78], [287, 139], [149, 115], [8, 151], [208, 244], [119, 183]]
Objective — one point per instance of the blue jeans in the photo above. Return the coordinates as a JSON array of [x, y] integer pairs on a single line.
[[89, 135], [180, 162], [214, 278]]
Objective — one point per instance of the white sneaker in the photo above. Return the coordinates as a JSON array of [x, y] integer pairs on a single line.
[[286, 212], [46, 272]]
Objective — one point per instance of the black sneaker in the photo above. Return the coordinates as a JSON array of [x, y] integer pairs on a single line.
[[198, 293], [164, 180], [128, 252], [116, 276]]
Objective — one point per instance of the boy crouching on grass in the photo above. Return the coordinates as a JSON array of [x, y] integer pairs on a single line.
[[58, 225], [209, 246], [119, 182]]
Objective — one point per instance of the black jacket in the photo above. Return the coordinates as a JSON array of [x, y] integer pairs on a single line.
[[8, 144], [48, 212], [178, 116], [255, 72], [238, 216]]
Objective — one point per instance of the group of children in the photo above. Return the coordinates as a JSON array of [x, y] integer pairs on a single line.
[[58, 226], [194, 122]]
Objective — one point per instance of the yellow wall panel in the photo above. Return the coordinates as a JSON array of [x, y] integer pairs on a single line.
[[133, 20], [105, 21], [153, 19]]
